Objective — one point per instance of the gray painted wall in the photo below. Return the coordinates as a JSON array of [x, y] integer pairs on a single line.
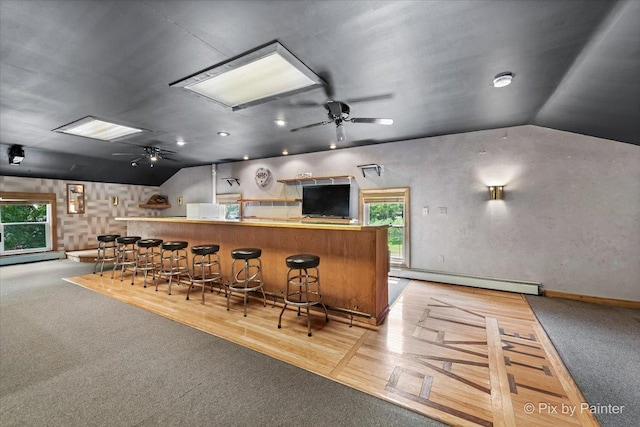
[[194, 185], [570, 218]]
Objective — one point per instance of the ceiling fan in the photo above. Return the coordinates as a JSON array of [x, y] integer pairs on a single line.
[[338, 113], [150, 154]]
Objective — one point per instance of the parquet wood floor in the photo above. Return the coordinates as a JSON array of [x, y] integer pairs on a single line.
[[461, 355]]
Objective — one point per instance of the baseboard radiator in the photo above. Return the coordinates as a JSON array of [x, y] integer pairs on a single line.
[[25, 258], [517, 286]]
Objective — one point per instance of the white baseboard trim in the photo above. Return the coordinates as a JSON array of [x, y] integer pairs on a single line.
[[517, 286], [25, 258]]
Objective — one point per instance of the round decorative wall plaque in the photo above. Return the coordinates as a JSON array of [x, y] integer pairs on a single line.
[[263, 177]]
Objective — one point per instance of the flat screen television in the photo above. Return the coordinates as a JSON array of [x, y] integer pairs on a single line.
[[326, 200]]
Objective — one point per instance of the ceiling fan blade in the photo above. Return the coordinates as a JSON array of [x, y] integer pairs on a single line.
[[328, 84], [341, 135], [374, 121], [305, 104], [369, 98], [310, 126], [123, 154]]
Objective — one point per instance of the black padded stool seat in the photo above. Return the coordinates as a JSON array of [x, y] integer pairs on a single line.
[[303, 274], [127, 240], [125, 254], [149, 243], [246, 253], [247, 277], [173, 261], [303, 261], [206, 268], [205, 249], [174, 246], [107, 251], [147, 259]]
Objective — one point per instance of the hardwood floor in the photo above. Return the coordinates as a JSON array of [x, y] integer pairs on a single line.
[[461, 355]]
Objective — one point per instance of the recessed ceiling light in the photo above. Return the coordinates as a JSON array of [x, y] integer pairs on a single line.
[[246, 157], [280, 122], [181, 143], [285, 152], [332, 146], [90, 127], [502, 79], [257, 76], [224, 133]]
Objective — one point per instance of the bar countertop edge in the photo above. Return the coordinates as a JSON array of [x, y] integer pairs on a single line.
[[260, 223]]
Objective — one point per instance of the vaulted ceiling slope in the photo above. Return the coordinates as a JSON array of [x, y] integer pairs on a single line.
[[428, 65]]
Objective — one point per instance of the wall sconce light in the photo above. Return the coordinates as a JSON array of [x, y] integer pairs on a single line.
[[180, 200], [496, 192], [115, 200]]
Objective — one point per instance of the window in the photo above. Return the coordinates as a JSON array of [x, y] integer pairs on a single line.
[[389, 207], [232, 204], [26, 222]]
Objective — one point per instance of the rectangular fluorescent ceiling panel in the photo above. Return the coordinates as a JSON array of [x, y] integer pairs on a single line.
[[90, 127], [258, 76]]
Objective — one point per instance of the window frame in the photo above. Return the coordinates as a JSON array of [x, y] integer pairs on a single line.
[[231, 199], [390, 195], [51, 232]]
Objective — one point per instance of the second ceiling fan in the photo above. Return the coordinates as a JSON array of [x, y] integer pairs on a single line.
[[150, 154]]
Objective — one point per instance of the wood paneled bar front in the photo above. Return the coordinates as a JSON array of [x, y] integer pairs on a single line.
[[354, 260]]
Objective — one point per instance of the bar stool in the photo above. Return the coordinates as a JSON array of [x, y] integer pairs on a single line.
[[147, 258], [300, 279], [173, 261], [107, 251], [125, 255], [243, 281], [202, 263]]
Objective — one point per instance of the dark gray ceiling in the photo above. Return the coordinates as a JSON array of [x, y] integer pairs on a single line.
[[576, 67]]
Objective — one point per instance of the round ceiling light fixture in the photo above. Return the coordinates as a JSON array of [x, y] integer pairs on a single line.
[[332, 146], [180, 142], [224, 133], [246, 157], [280, 122], [503, 79], [285, 152]]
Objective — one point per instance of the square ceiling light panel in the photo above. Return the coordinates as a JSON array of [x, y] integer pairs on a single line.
[[90, 127], [263, 74]]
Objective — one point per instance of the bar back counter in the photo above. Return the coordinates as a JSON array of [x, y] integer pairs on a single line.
[[354, 259]]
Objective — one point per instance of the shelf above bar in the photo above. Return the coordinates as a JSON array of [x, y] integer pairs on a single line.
[[315, 179]]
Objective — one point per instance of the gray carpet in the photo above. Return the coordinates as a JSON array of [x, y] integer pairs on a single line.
[[600, 346], [72, 357]]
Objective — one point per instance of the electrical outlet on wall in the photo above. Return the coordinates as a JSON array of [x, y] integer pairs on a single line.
[[442, 210], [425, 211]]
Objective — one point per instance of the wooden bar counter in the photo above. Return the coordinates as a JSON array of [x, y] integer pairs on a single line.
[[353, 258]]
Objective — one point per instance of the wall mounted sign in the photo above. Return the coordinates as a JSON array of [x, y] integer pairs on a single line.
[[263, 177]]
